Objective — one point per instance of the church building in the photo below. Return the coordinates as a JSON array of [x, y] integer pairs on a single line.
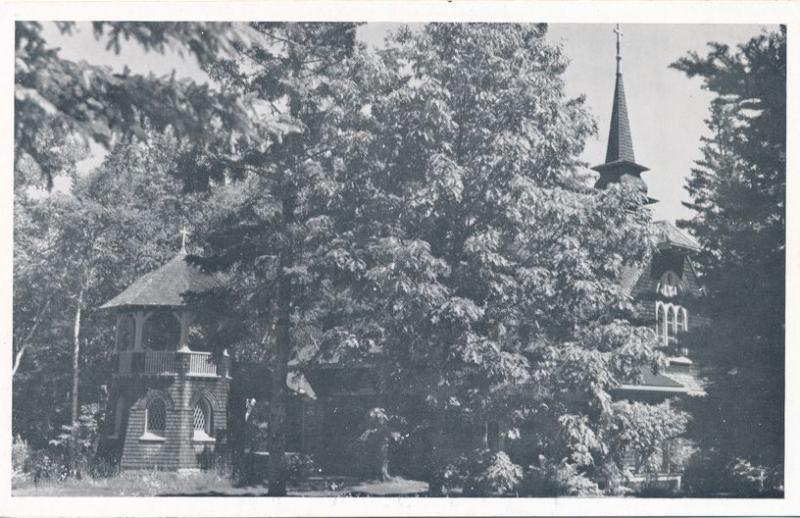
[[170, 405]]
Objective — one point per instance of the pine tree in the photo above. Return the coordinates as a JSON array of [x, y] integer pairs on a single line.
[[738, 194]]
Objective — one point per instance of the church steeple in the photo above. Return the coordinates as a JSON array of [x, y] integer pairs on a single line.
[[620, 165]]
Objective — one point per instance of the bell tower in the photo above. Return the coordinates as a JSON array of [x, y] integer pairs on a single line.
[[620, 165], [168, 397]]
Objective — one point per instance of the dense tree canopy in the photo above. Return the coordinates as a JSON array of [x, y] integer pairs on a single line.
[[420, 210], [738, 194], [60, 105], [481, 263]]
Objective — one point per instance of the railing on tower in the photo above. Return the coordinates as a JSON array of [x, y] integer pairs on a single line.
[[193, 363], [159, 362], [202, 364]]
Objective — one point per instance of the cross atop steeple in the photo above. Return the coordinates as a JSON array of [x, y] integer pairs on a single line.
[[618, 32], [184, 233], [620, 165]]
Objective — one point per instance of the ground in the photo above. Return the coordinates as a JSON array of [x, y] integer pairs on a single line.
[[199, 484]]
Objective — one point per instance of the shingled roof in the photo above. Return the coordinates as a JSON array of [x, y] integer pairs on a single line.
[[619, 151], [668, 235], [164, 286]]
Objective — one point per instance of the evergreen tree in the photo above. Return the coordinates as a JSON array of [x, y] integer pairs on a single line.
[[61, 105], [276, 244], [738, 194]]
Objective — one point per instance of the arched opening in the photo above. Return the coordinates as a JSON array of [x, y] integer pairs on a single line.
[[683, 320], [162, 332], [156, 417], [203, 420], [671, 323], [669, 285], [126, 333]]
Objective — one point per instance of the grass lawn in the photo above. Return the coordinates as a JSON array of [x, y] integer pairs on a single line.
[[154, 483]]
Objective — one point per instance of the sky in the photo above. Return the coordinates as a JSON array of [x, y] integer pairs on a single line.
[[666, 109]]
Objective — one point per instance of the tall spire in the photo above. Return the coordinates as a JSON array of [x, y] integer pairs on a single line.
[[620, 164]]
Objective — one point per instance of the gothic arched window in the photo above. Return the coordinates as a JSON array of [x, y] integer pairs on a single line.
[[661, 322], [671, 320], [202, 420], [669, 285], [156, 417]]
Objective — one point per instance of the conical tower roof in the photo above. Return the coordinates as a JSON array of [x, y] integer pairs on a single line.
[[620, 143], [620, 164], [164, 286]]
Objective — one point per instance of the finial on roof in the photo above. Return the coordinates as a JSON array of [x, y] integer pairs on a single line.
[[184, 233], [618, 32]]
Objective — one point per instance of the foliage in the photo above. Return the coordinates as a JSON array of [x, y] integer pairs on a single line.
[[491, 473], [479, 269], [119, 222], [300, 467], [738, 194], [477, 473], [278, 243], [59, 101], [708, 474], [20, 454], [644, 430], [550, 479]]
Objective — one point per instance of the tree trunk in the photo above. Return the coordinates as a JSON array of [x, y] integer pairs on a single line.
[[280, 366], [24, 342], [438, 448], [493, 436], [383, 459], [76, 374]]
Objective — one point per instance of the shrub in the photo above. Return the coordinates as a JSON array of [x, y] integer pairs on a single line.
[[300, 467], [20, 454], [449, 476], [491, 473], [557, 479], [48, 465], [711, 474]]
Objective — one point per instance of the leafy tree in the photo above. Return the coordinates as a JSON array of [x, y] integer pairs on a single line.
[[72, 253], [58, 101], [484, 290], [738, 194]]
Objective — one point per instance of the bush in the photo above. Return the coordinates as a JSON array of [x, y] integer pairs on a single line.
[[300, 467], [711, 474], [448, 477], [20, 454], [48, 465], [556, 479], [491, 473]]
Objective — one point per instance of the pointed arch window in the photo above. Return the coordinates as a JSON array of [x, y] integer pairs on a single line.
[[670, 285], [671, 320], [155, 419], [202, 418]]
